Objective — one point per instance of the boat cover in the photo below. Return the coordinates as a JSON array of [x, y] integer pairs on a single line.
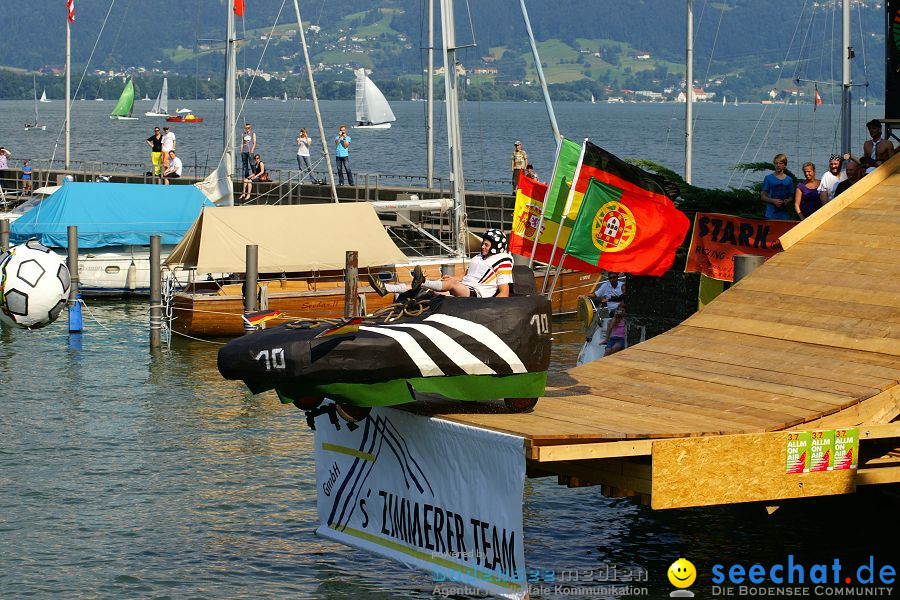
[[111, 214], [313, 237]]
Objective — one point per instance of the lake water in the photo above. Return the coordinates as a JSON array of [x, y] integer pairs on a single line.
[[723, 136], [126, 475]]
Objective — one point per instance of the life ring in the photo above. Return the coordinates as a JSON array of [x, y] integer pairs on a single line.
[[586, 311]]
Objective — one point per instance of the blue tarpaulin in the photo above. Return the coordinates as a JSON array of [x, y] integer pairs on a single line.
[[111, 214]]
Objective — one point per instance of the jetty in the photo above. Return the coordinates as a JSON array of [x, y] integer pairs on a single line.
[[704, 413]]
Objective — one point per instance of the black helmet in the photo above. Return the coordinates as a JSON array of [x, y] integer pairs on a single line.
[[498, 240]]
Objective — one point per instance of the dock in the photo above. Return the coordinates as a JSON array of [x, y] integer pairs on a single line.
[[702, 414]]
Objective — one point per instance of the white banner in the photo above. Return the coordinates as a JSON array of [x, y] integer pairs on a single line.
[[432, 494]]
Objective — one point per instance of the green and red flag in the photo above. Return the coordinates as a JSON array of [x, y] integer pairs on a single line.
[[527, 225], [631, 227], [557, 193]]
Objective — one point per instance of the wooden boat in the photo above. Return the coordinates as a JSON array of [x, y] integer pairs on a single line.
[[189, 118], [207, 309]]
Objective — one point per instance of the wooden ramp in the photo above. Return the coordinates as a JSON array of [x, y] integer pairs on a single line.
[[810, 340]]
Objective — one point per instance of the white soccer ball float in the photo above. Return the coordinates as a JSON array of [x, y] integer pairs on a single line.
[[34, 285]]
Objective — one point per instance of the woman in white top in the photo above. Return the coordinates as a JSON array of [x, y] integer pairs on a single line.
[[303, 143]]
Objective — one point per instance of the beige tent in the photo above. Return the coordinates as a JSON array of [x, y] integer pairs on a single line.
[[290, 238]]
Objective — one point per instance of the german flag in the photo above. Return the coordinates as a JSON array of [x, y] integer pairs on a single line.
[[260, 317], [345, 328], [635, 183]]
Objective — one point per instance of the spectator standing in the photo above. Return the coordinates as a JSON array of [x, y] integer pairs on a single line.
[[167, 146], [518, 163], [155, 143], [173, 171], [854, 174], [807, 199], [26, 176], [248, 147], [342, 155], [4, 163], [832, 178], [303, 144], [777, 190]]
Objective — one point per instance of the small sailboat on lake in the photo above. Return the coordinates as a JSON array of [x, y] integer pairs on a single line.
[[160, 107], [125, 106], [372, 108], [44, 97], [37, 124]]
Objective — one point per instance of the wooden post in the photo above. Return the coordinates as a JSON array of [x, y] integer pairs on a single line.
[[4, 235], [72, 263], [744, 264], [155, 293], [351, 284], [250, 283]]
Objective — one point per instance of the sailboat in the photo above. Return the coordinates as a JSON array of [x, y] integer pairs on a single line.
[[735, 101], [125, 105], [372, 109], [285, 97], [37, 124], [723, 100], [593, 100], [161, 105], [44, 97]]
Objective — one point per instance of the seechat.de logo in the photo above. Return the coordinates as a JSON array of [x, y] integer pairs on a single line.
[[682, 574]]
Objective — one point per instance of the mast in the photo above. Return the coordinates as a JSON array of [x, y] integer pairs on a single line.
[[230, 75], [846, 82], [68, 84], [429, 119], [315, 98], [34, 85], [540, 71], [454, 138], [689, 93]]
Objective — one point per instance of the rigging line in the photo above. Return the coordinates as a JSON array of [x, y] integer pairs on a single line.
[[83, 74], [712, 51]]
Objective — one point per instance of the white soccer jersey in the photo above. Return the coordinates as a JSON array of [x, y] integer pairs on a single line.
[[484, 275]]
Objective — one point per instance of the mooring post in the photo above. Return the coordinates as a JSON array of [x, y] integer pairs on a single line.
[[744, 264], [155, 293], [250, 284], [351, 284], [4, 235], [75, 320]]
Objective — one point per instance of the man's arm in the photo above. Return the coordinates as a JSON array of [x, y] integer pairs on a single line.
[[502, 290], [253, 143]]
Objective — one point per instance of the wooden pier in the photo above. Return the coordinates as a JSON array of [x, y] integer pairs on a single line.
[[701, 415]]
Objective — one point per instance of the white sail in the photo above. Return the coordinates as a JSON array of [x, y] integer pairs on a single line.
[[371, 106], [44, 96], [160, 106]]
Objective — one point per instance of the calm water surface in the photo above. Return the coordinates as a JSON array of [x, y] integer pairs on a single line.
[[129, 476]]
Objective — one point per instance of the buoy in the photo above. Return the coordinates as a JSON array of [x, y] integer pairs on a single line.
[[586, 311], [76, 324], [131, 277]]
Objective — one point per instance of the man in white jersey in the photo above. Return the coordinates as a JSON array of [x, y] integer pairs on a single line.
[[489, 273], [835, 174]]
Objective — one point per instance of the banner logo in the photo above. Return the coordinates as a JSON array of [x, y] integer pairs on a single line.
[[613, 228]]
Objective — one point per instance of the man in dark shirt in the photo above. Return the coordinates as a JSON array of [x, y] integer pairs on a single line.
[[854, 174], [155, 143]]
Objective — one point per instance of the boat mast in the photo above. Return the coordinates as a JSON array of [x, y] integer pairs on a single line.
[[34, 85], [429, 119], [230, 98], [846, 82], [68, 84], [454, 137], [540, 71], [315, 99], [689, 93]]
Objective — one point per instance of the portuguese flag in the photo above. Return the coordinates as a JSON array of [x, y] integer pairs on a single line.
[[624, 226], [527, 220]]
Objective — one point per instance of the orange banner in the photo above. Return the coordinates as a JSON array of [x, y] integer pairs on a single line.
[[717, 238]]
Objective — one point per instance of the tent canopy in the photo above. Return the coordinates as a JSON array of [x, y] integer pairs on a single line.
[[311, 237], [111, 214]]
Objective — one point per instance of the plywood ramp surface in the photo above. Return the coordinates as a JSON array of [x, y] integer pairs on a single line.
[[811, 333]]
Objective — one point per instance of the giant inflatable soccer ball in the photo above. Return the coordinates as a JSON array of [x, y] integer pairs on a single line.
[[34, 285]]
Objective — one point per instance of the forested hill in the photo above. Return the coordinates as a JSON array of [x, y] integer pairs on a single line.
[[594, 45]]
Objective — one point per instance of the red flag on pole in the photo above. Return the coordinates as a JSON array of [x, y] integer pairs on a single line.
[[818, 99], [70, 8], [239, 8]]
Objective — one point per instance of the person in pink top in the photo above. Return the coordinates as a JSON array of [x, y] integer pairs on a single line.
[[615, 332]]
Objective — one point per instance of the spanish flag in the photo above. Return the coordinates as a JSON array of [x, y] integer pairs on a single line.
[[345, 328]]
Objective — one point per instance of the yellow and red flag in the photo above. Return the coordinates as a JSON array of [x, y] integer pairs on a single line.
[[526, 221], [260, 317]]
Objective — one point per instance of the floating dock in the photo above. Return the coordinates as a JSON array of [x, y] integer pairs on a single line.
[[705, 413]]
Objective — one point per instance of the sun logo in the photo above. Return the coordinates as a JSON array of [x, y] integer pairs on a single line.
[[613, 227]]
